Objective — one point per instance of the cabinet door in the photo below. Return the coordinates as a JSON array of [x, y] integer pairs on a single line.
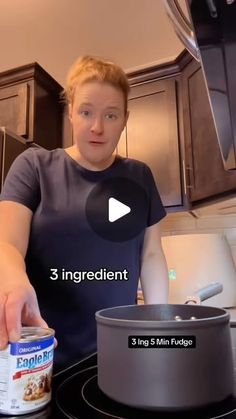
[[30, 105], [14, 102], [205, 173], [10, 147], [152, 135]]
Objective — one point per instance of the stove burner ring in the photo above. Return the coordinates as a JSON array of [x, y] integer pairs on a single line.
[[91, 405], [94, 377], [79, 396], [224, 415]]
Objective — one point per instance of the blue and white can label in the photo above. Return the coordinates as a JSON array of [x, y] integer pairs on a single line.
[[26, 372]]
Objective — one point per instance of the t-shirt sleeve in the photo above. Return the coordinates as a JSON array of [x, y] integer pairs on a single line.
[[156, 210], [21, 184]]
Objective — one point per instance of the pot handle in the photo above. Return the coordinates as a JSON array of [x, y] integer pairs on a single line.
[[204, 293]]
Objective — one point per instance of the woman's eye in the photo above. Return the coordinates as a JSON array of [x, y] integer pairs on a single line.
[[110, 116], [85, 113]]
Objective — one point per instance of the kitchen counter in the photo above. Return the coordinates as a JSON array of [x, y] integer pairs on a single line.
[[76, 395]]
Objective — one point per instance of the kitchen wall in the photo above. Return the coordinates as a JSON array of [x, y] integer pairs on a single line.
[[186, 223], [135, 33]]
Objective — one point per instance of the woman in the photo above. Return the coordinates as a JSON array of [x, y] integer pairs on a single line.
[[46, 240]]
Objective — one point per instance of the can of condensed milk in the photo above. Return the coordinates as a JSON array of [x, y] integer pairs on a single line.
[[26, 372]]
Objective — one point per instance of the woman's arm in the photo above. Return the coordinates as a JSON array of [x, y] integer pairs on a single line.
[[18, 301], [154, 272]]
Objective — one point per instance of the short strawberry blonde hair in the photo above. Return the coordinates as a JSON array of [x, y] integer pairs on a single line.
[[89, 68]]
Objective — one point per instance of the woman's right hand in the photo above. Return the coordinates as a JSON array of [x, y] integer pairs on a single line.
[[18, 301], [18, 306]]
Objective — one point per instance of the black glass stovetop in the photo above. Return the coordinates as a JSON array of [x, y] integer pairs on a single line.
[[76, 396]]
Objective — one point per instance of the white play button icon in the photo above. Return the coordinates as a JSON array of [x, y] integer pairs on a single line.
[[116, 209], [123, 209]]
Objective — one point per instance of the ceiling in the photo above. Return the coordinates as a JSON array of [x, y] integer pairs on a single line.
[[134, 33]]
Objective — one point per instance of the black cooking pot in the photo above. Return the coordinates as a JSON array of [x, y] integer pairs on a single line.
[[164, 356]]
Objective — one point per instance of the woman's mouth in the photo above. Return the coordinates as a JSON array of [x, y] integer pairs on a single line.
[[96, 143]]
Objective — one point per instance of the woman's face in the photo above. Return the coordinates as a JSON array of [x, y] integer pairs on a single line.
[[98, 118]]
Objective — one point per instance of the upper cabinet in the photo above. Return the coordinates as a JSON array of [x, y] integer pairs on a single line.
[[206, 177], [152, 135], [171, 128], [11, 146], [30, 105]]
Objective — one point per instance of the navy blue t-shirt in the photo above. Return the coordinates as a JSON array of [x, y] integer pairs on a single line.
[[55, 187]]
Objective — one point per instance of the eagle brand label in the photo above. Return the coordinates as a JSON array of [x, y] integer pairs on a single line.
[[26, 372]]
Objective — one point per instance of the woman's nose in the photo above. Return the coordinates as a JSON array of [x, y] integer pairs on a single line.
[[97, 126]]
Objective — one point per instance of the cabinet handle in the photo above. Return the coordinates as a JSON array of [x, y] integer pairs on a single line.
[[184, 178], [185, 168]]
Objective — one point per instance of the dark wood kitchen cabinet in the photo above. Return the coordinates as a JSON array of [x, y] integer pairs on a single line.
[[206, 177], [30, 105], [151, 135], [171, 128], [11, 146]]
